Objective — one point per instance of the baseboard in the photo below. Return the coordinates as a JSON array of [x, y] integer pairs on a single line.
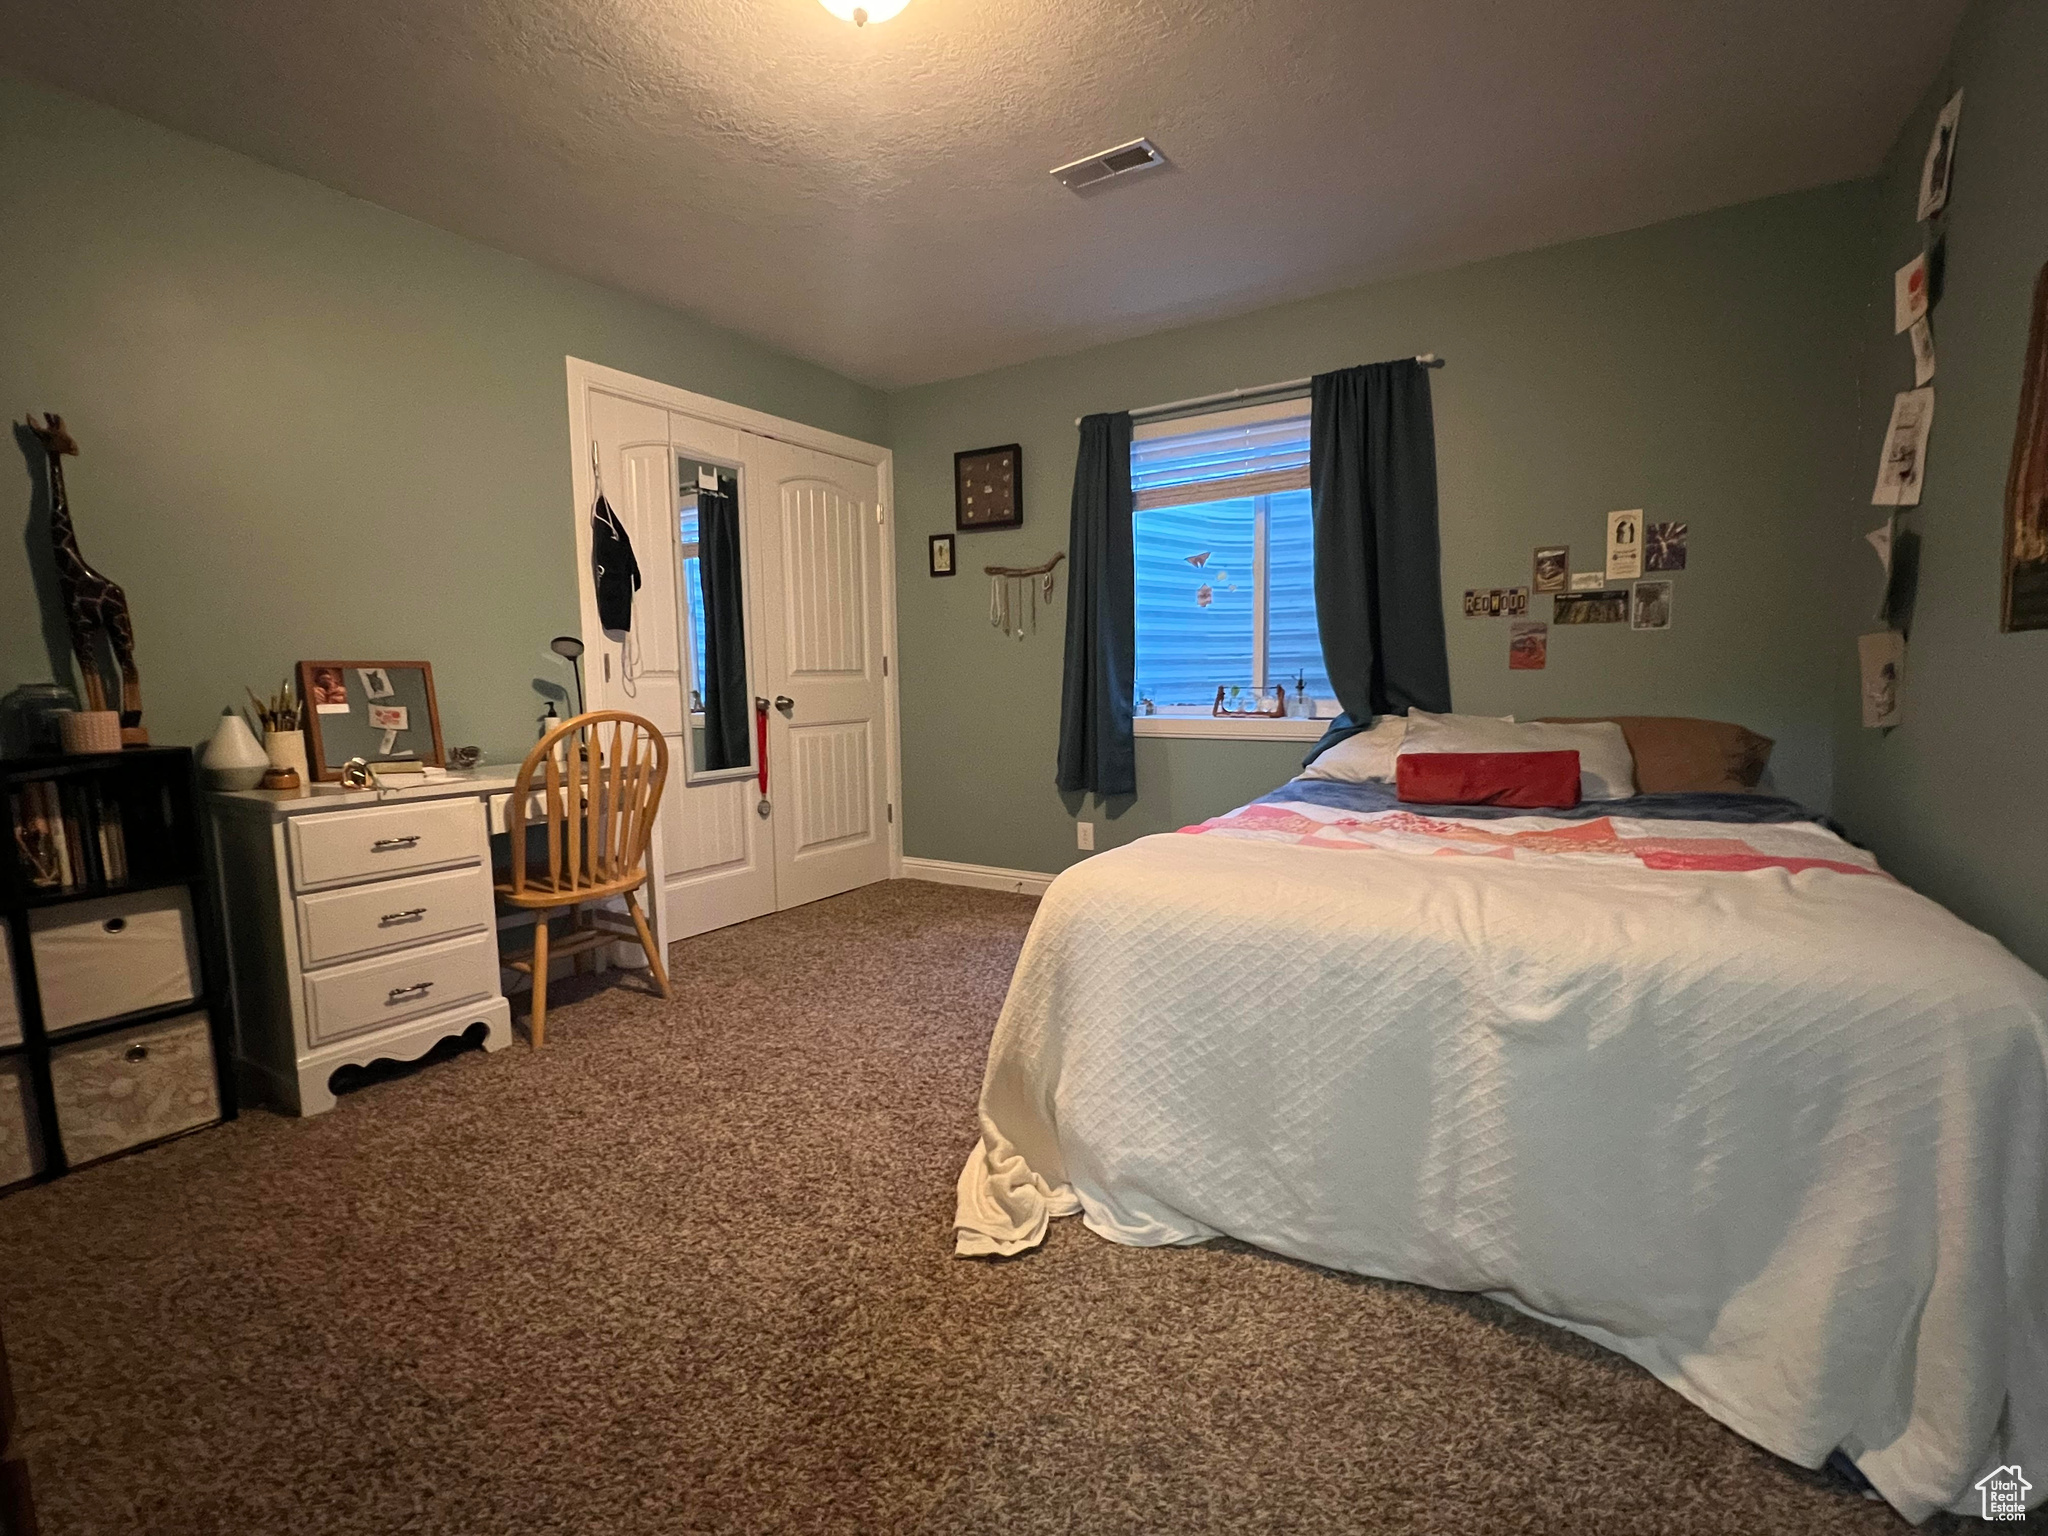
[[984, 876]]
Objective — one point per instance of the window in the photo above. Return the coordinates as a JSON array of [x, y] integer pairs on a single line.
[[1224, 550]]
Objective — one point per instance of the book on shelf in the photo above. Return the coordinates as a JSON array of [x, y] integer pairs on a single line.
[[68, 836]]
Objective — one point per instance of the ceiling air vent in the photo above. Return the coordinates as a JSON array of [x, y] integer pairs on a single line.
[[1125, 159]]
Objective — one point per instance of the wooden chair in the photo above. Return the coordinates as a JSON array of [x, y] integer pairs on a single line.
[[593, 784]]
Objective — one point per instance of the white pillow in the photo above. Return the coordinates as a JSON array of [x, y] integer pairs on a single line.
[[1606, 768], [1368, 757]]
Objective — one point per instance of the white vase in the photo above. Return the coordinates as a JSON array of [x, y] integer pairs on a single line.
[[286, 749], [233, 759]]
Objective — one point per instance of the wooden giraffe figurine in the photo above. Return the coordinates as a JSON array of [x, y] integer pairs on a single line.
[[94, 605]]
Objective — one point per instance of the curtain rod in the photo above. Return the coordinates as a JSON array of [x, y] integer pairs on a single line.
[[1275, 391]]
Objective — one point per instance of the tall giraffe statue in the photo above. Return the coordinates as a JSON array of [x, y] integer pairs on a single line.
[[93, 604]]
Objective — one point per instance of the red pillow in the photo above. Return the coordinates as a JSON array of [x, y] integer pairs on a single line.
[[1531, 780]]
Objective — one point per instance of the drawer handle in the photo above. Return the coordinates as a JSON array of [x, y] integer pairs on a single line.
[[410, 914], [400, 994], [114, 925], [136, 1053], [386, 844]]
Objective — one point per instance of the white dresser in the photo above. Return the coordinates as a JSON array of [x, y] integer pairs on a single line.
[[360, 926]]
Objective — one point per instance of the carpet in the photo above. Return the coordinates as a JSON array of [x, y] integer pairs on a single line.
[[689, 1270]]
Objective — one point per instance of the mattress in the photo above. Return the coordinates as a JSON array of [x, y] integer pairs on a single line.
[[1698, 1082]]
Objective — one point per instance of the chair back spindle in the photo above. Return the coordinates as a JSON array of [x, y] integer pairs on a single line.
[[592, 785]]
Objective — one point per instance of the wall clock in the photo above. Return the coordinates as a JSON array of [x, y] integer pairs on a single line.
[[988, 488]]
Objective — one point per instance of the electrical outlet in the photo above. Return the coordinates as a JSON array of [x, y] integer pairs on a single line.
[[1084, 835]]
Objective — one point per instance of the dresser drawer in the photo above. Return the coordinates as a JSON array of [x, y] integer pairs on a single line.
[[362, 919], [369, 994], [340, 846], [21, 1146], [136, 1085], [101, 959]]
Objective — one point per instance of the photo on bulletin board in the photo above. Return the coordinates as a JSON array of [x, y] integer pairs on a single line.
[[381, 711]]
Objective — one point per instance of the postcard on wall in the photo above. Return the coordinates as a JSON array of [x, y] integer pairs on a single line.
[[1553, 565], [1653, 606], [1883, 658], [1938, 169], [1664, 546], [1528, 646], [1909, 293], [1624, 545], [1923, 351], [1590, 607], [1588, 581], [1903, 466]]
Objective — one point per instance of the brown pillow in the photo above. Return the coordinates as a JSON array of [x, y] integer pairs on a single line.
[[1676, 755]]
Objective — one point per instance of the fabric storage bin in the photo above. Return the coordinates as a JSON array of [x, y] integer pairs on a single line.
[[21, 1143], [10, 1005], [118, 1091], [101, 959]]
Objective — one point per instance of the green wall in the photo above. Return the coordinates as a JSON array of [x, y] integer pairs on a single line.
[[1703, 369], [309, 427], [1952, 800]]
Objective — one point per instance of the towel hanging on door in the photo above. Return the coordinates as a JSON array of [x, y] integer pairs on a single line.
[[613, 570]]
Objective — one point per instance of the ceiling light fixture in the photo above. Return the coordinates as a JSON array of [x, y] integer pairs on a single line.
[[861, 15]]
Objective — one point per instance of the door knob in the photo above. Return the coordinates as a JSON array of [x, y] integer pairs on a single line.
[[786, 704]]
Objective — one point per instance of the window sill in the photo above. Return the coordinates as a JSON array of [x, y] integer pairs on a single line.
[[1214, 728]]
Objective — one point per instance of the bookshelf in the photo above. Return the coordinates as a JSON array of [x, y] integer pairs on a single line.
[[110, 935]]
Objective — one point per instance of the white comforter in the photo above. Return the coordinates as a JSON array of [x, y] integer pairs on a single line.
[[1779, 1135]]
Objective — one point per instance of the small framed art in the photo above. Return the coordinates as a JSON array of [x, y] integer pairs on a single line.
[[942, 554], [988, 488]]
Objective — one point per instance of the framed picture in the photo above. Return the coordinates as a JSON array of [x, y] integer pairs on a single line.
[[2025, 604], [988, 488], [942, 554], [382, 711]]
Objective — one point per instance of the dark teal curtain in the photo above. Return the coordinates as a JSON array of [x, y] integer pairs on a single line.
[[727, 707], [1379, 591], [1096, 751]]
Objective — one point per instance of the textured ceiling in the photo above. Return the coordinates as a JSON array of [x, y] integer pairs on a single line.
[[877, 200]]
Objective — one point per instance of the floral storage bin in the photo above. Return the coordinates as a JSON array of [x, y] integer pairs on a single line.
[[118, 1091]]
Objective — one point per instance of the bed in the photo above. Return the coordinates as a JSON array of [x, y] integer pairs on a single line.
[[1686, 1074]]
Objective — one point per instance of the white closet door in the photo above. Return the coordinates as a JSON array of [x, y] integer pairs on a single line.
[[713, 861], [719, 856], [818, 547]]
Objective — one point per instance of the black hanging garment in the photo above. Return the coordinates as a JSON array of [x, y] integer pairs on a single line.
[[613, 570]]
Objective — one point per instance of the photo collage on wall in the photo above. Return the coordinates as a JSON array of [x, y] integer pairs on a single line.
[[1633, 586]]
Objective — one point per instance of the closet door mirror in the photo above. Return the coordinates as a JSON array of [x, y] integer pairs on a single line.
[[710, 589]]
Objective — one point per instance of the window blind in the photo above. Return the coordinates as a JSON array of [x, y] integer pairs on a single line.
[[1259, 450]]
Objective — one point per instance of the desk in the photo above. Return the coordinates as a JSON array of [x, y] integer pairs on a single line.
[[361, 925]]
